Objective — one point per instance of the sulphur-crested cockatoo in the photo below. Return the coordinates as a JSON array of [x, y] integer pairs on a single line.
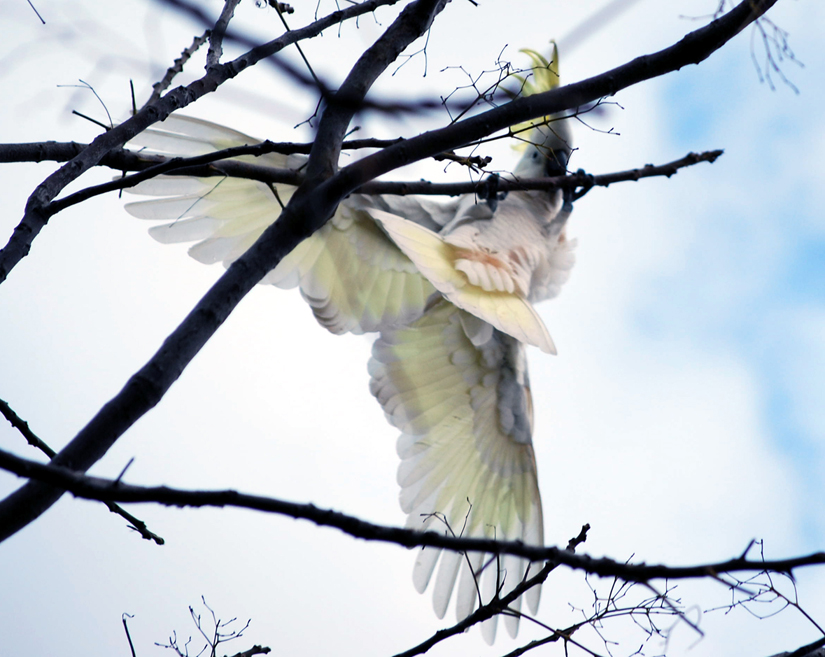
[[455, 380], [450, 288]]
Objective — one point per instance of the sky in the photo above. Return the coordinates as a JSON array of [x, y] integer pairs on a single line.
[[682, 418]]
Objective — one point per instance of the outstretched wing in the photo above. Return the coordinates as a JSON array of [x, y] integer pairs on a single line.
[[354, 278], [458, 391], [482, 284]]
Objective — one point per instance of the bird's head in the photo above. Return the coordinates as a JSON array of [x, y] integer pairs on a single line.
[[548, 150], [547, 141]]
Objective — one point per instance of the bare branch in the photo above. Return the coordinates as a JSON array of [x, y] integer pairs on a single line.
[[326, 90], [97, 488], [413, 21], [497, 605], [254, 650], [23, 427], [128, 635], [694, 48], [213, 56], [34, 9], [159, 87], [815, 649], [573, 180], [127, 160]]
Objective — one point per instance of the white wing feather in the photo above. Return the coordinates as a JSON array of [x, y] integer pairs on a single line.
[[454, 382], [354, 278], [466, 449]]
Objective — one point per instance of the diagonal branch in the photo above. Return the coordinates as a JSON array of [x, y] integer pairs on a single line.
[[177, 67], [213, 56], [497, 605], [412, 23], [304, 214], [23, 427], [307, 211]]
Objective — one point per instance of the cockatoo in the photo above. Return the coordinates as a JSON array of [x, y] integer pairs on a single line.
[[449, 287]]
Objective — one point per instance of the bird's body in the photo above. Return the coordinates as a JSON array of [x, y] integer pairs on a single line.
[[449, 287]]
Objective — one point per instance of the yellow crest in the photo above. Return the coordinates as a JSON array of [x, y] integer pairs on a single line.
[[543, 76]]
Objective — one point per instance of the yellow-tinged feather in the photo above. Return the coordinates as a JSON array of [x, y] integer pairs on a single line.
[[507, 311], [462, 454]]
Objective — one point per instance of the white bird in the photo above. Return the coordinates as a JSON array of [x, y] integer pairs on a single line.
[[450, 288], [455, 381]]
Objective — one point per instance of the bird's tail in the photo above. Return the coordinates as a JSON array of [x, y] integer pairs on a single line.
[[485, 289]]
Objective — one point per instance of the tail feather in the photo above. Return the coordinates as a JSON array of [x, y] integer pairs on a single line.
[[509, 312]]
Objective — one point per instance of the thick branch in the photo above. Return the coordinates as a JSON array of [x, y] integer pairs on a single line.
[[96, 488], [411, 24], [814, 649], [305, 213]]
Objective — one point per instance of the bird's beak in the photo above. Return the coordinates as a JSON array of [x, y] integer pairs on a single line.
[[556, 163]]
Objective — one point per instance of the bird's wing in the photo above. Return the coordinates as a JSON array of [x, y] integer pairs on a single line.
[[354, 277], [458, 391], [477, 282], [420, 209]]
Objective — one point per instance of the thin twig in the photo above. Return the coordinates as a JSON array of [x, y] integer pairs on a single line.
[[159, 87], [23, 427], [34, 9], [495, 606], [128, 635]]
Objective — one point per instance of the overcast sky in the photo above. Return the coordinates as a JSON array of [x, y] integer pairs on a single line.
[[683, 417]]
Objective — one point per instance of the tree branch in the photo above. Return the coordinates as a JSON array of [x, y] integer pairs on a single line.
[[127, 160], [412, 23], [496, 605], [213, 55], [195, 166], [23, 427], [215, 164], [97, 488], [159, 87], [814, 649]]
